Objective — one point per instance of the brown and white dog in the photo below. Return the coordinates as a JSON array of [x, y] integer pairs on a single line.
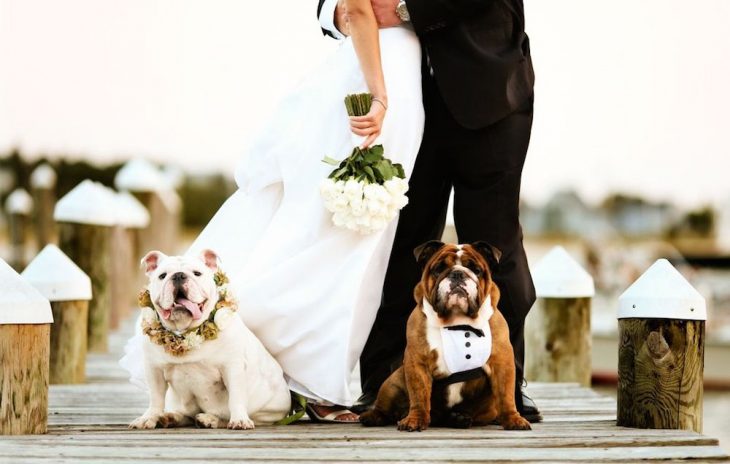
[[458, 369]]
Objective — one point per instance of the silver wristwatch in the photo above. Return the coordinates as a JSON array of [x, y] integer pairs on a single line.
[[402, 11]]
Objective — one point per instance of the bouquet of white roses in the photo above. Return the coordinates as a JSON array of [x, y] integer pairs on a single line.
[[366, 190]]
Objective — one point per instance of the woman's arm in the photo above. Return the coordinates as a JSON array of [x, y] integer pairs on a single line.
[[363, 29]]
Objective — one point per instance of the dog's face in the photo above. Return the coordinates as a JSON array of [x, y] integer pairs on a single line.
[[182, 288], [457, 279]]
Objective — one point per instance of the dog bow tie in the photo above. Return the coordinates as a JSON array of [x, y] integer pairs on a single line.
[[477, 332]]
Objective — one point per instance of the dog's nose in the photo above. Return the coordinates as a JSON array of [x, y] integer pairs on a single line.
[[457, 274], [179, 277]]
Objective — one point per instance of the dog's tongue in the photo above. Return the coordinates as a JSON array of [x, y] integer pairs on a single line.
[[190, 306]]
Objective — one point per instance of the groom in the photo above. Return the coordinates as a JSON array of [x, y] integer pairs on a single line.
[[478, 95]]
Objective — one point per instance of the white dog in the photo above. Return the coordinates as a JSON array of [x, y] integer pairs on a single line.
[[229, 380]]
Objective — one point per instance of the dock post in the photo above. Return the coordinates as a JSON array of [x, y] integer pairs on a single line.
[[85, 218], [132, 216], [43, 186], [19, 206], [25, 325], [661, 352], [558, 328], [155, 191], [68, 289]]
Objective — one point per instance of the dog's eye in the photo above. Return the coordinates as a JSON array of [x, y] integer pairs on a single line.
[[197, 273], [436, 270], [163, 275]]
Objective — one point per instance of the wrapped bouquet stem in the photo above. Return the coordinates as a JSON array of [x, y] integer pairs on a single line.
[[366, 190]]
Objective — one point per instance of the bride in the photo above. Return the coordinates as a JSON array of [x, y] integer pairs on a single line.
[[310, 290]]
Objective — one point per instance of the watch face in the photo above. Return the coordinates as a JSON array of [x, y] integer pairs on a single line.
[[402, 11]]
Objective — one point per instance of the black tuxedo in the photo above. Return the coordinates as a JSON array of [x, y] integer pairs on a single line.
[[478, 96]]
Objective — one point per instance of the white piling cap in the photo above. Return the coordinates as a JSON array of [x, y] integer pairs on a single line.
[[662, 293], [139, 175], [57, 277], [558, 275], [87, 203], [19, 202], [43, 177], [132, 213], [21, 303], [174, 175]]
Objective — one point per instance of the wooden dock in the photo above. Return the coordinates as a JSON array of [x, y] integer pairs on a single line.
[[88, 423]]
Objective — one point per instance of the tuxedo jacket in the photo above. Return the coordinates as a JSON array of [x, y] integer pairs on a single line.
[[477, 50]]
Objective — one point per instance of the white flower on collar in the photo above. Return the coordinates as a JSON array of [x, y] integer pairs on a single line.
[[223, 318], [193, 340], [149, 316]]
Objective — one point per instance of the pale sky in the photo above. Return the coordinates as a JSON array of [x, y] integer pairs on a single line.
[[632, 95]]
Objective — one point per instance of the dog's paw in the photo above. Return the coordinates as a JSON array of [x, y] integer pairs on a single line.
[[413, 423], [373, 418], [459, 420], [145, 422], [207, 421], [515, 422], [241, 424]]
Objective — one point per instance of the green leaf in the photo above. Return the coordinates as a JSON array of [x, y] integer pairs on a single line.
[[369, 171], [377, 150], [330, 161]]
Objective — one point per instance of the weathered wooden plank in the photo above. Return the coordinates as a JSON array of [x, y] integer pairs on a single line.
[[241, 440], [184, 453]]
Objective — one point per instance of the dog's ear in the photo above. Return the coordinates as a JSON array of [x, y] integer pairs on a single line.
[[490, 252], [424, 252], [151, 260], [210, 258]]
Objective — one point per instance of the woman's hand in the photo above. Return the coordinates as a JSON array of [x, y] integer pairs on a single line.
[[371, 124]]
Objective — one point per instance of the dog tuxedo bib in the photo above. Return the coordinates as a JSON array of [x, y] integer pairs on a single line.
[[465, 348]]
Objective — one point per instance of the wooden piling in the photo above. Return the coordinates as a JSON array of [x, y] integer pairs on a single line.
[[132, 216], [558, 328], [19, 206], [25, 319], [43, 188], [85, 218], [68, 289], [156, 192], [661, 352]]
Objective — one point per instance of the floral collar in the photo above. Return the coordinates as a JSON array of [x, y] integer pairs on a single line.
[[178, 344]]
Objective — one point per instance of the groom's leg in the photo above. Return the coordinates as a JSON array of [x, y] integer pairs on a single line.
[[486, 207], [420, 221]]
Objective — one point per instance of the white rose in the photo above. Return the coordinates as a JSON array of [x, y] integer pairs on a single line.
[[328, 190], [353, 189], [223, 318], [357, 206], [340, 218], [372, 191], [351, 223], [149, 315], [339, 204], [375, 207], [363, 221], [396, 186], [193, 340], [398, 201]]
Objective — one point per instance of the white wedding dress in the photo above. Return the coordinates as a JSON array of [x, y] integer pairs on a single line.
[[307, 289]]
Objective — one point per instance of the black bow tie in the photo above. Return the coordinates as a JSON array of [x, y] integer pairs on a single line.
[[478, 332]]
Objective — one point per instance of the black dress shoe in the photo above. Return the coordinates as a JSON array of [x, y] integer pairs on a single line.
[[529, 409], [365, 402]]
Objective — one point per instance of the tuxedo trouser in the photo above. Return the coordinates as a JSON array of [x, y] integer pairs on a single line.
[[484, 168]]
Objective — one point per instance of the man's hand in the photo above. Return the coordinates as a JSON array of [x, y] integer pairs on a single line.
[[385, 13]]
